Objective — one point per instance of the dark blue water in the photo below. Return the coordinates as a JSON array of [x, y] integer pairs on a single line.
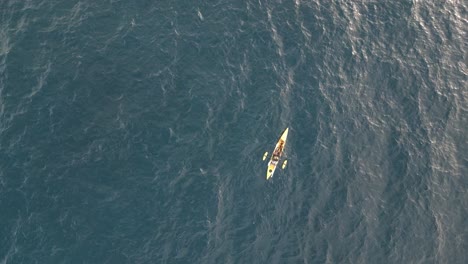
[[133, 131]]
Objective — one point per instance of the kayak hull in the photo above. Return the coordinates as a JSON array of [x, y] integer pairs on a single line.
[[277, 153]]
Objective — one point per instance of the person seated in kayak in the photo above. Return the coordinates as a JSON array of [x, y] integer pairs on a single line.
[[276, 153], [278, 150], [281, 146]]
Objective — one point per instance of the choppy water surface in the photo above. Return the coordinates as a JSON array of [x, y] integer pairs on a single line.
[[133, 132]]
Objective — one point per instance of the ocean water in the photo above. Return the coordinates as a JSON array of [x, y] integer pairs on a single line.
[[133, 131]]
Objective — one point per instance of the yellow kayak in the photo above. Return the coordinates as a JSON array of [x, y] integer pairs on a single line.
[[277, 153]]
